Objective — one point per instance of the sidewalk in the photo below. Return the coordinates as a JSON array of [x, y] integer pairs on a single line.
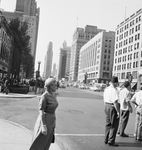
[[14, 136], [16, 95]]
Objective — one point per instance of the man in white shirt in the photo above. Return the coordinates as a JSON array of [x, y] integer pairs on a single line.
[[111, 112], [125, 107], [137, 100]]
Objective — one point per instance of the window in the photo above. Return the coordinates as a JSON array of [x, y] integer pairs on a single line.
[[134, 73], [123, 75], [141, 64]]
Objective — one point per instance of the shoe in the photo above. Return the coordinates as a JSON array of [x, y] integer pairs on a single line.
[[106, 142], [139, 140], [118, 133], [112, 144], [124, 135]]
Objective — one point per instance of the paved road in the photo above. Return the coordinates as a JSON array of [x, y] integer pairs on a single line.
[[80, 120]]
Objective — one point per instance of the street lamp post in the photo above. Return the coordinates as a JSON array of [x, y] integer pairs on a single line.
[[37, 75], [85, 78]]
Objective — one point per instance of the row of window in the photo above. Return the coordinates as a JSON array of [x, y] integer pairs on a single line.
[[127, 57], [128, 41], [130, 24], [127, 49], [87, 37], [124, 75], [128, 66], [125, 34], [5, 38], [4, 54]]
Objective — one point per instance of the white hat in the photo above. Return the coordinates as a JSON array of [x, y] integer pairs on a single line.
[[49, 81]]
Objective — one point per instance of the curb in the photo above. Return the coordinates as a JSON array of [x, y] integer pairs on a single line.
[[17, 96], [18, 125], [55, 146]]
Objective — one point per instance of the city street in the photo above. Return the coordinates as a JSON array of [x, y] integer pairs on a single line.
[[80, 119]]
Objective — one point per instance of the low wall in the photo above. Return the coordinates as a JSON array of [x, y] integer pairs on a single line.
[[22, 89]]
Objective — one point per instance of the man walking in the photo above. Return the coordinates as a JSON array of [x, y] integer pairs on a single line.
[[111, 112]]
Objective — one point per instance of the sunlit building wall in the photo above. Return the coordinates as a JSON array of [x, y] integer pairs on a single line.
[[96, 58], [128, 48], [80, 37]]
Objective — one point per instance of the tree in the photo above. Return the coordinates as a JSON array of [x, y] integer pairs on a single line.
[[21, 50]]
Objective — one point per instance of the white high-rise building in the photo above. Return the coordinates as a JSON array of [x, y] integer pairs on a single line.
[[128, 48], [48, 61], [80, 37], [96, 58]]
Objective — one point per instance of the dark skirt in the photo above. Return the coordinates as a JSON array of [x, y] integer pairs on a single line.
[[40, 141]]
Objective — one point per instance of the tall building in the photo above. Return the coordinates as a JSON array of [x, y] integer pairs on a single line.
[[96, 58], [26, 10], [80, 37], [5, 47], [128, 48], [20, 5], [48, 61], [64, 61], [54, 71]]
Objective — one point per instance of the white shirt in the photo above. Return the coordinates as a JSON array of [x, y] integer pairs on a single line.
[[118, 90], [110, 94], [137, 98], [124, 97]]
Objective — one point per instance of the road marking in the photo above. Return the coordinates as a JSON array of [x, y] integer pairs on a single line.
[[79, 134]]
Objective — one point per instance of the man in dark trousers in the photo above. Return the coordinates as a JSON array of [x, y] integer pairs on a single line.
[[125, 107], [112, 112]]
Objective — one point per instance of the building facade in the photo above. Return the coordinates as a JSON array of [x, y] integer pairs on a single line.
[[96, 58], [128, 48], [5, 47], [80, 37], [64, 62], [48, 61], [54, 71]]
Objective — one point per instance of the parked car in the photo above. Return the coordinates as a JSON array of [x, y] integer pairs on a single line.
[[103, 86], [95, 88], [82, 86], [62, 85], [98, 87]]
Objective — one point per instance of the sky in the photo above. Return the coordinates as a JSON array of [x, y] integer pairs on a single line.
[[60, 18]]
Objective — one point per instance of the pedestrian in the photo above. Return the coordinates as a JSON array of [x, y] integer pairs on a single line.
[[111, 111], [137, 100], [6, 89], [125, 108], [45, 124]]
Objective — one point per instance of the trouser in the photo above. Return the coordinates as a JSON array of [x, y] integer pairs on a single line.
[[138, 124], [124, 117], [112, 122]]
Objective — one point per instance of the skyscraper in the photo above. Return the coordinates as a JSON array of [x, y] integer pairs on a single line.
[[20, 5], [64, 61], [96, 58], [128, 49], [48, 61]]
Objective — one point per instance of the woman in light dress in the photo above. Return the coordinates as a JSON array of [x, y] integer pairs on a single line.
[[45, 124]]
